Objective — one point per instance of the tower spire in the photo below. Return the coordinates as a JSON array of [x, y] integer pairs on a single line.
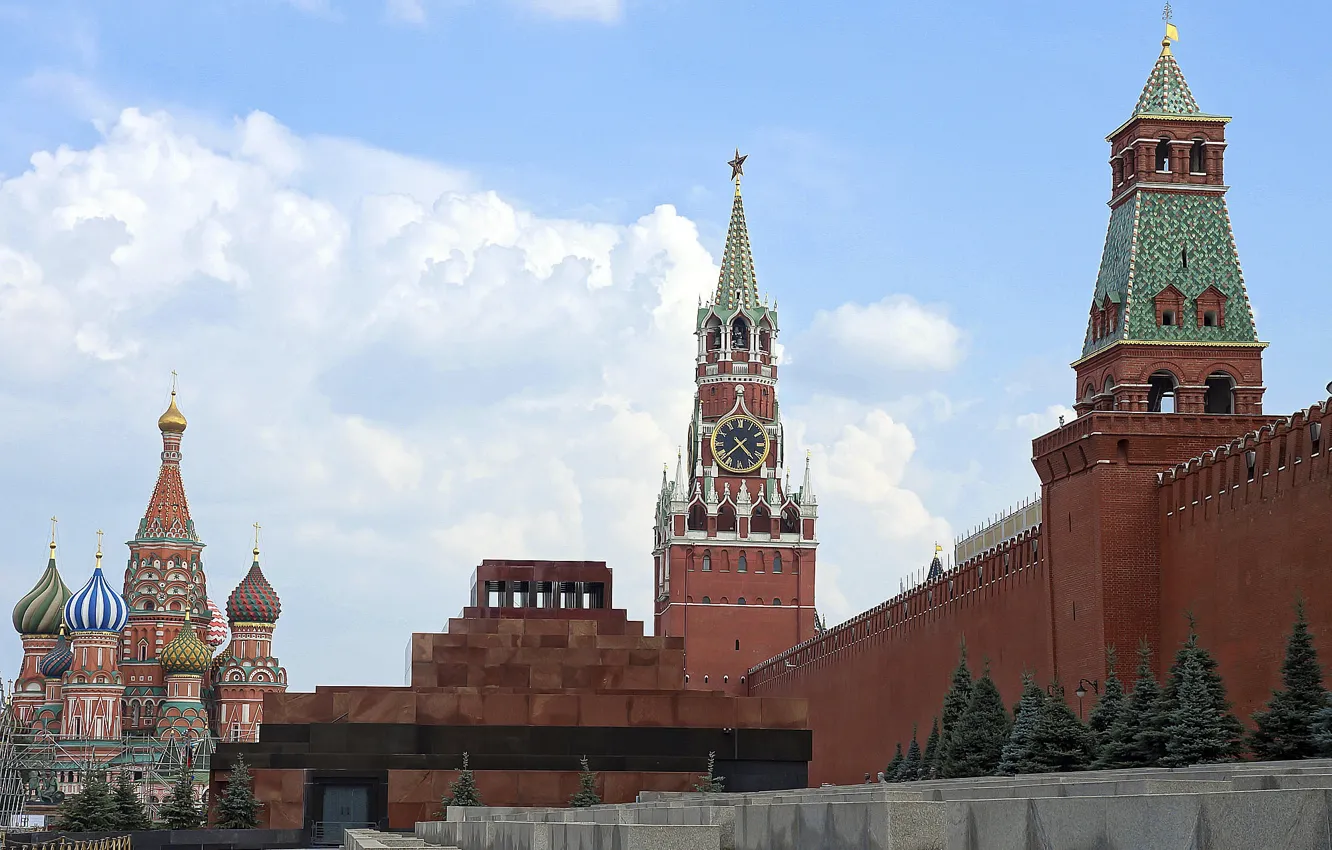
[[168, 513], [1166, 92], [737, 285]]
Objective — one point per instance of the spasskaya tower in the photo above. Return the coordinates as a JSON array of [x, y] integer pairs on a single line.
[[734, 545]]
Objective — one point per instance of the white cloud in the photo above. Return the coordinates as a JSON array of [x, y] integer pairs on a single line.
[[605, 11], [406, 11], [1041, 422], [896, 333], [397, 372]]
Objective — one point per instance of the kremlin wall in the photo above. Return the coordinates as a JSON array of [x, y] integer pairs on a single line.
[[1171, 491]]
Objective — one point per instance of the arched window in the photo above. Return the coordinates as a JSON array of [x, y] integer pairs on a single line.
[[1130, 164], [1220, 393], [714, 334], [707, 562], [776, 601], [776, 562], [739, 334], [742, 565], [740, 601], [1163, 155], [143, 650], [726, 518], [148, 605], [761, 521], [134, 713], [1161, 393], [1197, 159], [698, 518], [791, 520], [1088, 393], [707, 601], [765, 339]]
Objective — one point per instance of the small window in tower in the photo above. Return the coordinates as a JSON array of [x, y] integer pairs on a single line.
[[1168, 318], [707, 562], [1163, 155], [737, 643], [707, 601], [1184, 257], [777, 562], [742, 565], [740, 601], [1209, 318], [1197, 160], [776, 600]]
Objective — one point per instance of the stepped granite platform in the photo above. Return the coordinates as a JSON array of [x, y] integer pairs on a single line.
[[1249, 805]]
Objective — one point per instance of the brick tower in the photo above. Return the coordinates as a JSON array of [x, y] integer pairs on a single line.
[[93, 684], [1170, 325], [1171, 366], [734, 547], [248, 669], [37, 618], [164, 580]]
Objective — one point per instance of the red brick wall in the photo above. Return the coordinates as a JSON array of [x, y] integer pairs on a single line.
[[868, 680], [1237, 559]]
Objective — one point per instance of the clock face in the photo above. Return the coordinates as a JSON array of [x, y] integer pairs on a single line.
[[739, 443]]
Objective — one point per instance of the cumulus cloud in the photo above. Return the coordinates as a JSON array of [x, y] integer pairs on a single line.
[[1041, 421], [397, 372], [897, 333]]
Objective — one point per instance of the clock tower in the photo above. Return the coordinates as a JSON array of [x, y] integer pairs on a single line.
[[734, 545]]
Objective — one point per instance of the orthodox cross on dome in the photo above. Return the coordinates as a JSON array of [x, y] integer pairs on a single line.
[[53, 531], [173, 381], [257, 526], [99, 542]]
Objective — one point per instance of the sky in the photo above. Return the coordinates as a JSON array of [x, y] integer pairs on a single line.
[[427, 270]]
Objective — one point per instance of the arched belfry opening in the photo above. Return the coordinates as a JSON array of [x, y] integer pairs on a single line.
[[1161, 392], [698, 518], [739, 334], [1220, 393], [1163, 155]]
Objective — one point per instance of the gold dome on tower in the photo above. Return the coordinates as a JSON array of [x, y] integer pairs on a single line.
[[173, 421]]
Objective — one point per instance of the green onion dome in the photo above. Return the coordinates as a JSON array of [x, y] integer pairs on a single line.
[[186, 653], [40, 611]]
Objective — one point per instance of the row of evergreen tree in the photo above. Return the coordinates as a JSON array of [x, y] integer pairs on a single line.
[[99, 807], [1185, 720]]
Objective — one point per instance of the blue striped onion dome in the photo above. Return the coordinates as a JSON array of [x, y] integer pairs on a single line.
[[55, 663], [186, 653], [96, 607]]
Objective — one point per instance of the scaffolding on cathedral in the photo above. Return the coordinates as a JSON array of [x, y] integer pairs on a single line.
[[38, 770]]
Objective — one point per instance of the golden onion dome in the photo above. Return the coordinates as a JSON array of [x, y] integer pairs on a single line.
[[186, 653], [173, 421]]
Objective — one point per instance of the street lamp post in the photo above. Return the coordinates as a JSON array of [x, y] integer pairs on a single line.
[[1082, 691]]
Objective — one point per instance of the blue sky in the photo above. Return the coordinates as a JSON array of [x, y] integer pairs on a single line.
[[926, 197]]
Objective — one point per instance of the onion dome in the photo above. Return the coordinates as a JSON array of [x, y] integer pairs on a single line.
[[173, 421], [55, 663], [217, 627], [96, 607], [186, 653], [39, 612], [254, 600]]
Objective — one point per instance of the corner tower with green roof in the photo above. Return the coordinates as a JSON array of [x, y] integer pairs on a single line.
[[734, 544], [1170, 326]]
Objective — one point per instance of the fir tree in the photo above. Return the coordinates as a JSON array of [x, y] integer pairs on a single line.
[[180, 810], [587, 787], [1322, 727], [1137, 737], [894, 766], [910, 770], [979, 737], [462, 791], [91, 810], [1223, 740], [955, 703], [1285, 729], [709, 782], [130, 813], [1060, 741], [237, 808], [929, 768], [1109, 706], [1017, 754], [1197, 733]]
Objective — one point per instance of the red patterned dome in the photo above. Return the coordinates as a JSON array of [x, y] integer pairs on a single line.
[[254, 600], [217, 627]]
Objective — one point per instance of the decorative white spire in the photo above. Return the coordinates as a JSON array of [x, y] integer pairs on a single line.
[[807, 488], [680, 486]]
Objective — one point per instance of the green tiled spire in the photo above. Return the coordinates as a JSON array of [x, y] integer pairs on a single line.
[[737, 285], [1160, 239], [1166, 92]]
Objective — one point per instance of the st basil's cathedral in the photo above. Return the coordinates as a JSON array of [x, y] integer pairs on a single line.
[[101, 666]]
